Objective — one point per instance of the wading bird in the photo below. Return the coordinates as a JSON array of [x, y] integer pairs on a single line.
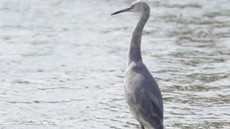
[[141, 90]]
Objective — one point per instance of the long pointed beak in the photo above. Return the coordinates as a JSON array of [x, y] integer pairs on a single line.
[[121, 11]]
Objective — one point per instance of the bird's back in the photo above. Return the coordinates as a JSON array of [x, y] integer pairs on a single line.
[[143, 96]]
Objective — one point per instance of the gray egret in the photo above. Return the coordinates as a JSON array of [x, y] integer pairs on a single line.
[[141, 90]]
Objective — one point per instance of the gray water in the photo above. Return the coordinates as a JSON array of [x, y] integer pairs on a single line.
[[62, 63]]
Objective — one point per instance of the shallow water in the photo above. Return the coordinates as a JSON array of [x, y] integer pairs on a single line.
[[62, 63]]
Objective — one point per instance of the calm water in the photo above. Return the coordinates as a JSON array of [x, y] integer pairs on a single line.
[[62, 63]]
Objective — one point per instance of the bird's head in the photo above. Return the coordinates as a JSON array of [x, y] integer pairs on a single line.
[[137, 6]]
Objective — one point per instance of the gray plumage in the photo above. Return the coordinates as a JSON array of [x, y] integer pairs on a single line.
[[141, 90]]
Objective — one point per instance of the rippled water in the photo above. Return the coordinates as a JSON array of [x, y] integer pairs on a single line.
[[62, 63]]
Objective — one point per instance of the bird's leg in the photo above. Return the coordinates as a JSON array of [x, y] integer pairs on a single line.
[[142, 127]]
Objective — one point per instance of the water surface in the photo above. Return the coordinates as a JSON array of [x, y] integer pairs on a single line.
[[63, 61]]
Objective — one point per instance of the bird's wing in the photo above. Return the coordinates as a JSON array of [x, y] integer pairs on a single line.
[[147, 98], [151, 111], [149, 101]]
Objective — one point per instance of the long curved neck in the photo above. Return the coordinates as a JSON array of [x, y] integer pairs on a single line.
[[135, 45]]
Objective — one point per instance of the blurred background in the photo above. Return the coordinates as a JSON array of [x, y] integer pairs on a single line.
[[62, 63]]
